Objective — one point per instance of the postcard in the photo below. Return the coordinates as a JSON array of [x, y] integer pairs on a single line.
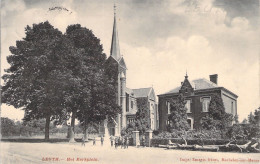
[[130, 81]]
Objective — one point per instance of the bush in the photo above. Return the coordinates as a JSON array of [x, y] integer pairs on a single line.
[[245, 131], [156, 141], [156, 132], [163, 135], [191, 134]]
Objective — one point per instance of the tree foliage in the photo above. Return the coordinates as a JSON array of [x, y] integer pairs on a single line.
[[178, 116], [254, 118], [37, 76], [216, 118], [53, 74], [142, 119], [91, 98]]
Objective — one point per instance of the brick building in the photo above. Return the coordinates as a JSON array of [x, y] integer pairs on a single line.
[[197, 95]]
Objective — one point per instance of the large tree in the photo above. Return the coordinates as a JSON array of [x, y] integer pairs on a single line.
[[37, 76], [142, 117], [89, 99], [178, 116], [142, 121]]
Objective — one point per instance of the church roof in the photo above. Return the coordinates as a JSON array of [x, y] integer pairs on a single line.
[[198, 84], [128, 90], [142, 92], [115, 50], [121, 62]]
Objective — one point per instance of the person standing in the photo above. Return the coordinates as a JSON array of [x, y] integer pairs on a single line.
[[102, 140], [94, 141], [111, 140], [123, 142], [143, 141], [116, 142], [127, 142], [83, 141]]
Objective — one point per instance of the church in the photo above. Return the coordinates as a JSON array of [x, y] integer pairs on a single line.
[[127, 98]]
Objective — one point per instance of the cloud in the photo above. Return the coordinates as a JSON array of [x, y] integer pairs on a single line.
[[12, 6], [240, 23], [240, 8]]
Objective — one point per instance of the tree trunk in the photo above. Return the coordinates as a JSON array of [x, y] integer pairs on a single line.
[[47, 127], [85, 131], [72, 128]]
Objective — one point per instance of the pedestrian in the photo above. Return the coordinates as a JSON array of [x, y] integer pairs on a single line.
[[111, 140], [116, 142], [127, 142], [119, 141], [143, 140], [94, 141], [83, 141], [102, 140], [123, 142]]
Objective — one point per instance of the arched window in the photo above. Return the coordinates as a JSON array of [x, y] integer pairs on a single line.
[[190, 122]]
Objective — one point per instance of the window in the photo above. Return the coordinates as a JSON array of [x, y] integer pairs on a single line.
[[190, 122], [187, 106], [127, 102], [205, 104], [132, 104], [232, 107], [152, 125], [168, 107], [130, 120]]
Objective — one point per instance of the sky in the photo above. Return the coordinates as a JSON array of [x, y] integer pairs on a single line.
[[159, 39]]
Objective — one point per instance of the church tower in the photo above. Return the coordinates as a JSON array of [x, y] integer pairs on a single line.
[[121, 94]]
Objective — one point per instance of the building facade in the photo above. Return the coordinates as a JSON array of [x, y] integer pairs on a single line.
[[125, 97], [197, 94]]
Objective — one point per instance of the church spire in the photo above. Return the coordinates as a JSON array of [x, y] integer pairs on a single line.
[[186, 76], [115, 50]]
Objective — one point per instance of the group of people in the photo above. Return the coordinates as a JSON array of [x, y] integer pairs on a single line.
[[101, 139], [117, 141], [122, 141]]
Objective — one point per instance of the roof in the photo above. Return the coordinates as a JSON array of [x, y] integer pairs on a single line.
[[199, 84], [128, 90], [115, 50], [121, 62], [142, 92]]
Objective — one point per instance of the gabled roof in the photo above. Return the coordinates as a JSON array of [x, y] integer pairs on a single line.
[[121, 62], [142, 92], [198, 84], [203, 84], [129, 91]]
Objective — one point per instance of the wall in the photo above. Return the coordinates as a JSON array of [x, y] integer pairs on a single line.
[[134, 109], [152, 108], [163, 112], [228, 99]]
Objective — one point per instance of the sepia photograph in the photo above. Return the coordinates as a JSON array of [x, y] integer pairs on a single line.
[[130, 81]]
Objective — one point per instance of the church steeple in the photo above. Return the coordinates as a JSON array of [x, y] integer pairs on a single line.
[[115, 50]]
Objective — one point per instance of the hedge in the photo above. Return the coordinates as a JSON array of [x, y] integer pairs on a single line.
[[156, 142]]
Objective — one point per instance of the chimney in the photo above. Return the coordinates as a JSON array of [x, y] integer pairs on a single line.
[[214, 78]]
